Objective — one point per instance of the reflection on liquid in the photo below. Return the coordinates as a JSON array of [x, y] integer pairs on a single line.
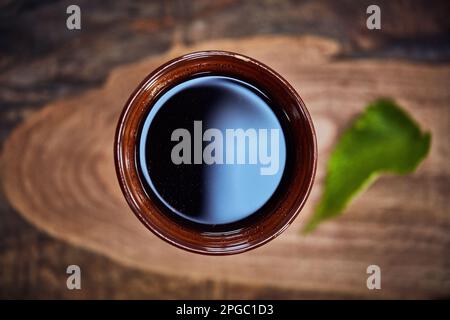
[[215, 193]]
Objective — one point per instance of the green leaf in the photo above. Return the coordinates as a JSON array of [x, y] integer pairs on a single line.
[[383, 139]]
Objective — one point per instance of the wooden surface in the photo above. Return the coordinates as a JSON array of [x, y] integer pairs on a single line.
[[58, 172]]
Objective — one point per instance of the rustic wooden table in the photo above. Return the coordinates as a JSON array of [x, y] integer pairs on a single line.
[[57, 83]]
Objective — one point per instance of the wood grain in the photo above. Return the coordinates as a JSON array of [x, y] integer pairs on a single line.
[[58, 172]]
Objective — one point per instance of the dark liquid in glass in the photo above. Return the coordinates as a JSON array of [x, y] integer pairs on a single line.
[[217, 193]]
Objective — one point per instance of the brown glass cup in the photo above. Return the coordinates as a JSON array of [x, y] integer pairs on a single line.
[[284, 205]]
